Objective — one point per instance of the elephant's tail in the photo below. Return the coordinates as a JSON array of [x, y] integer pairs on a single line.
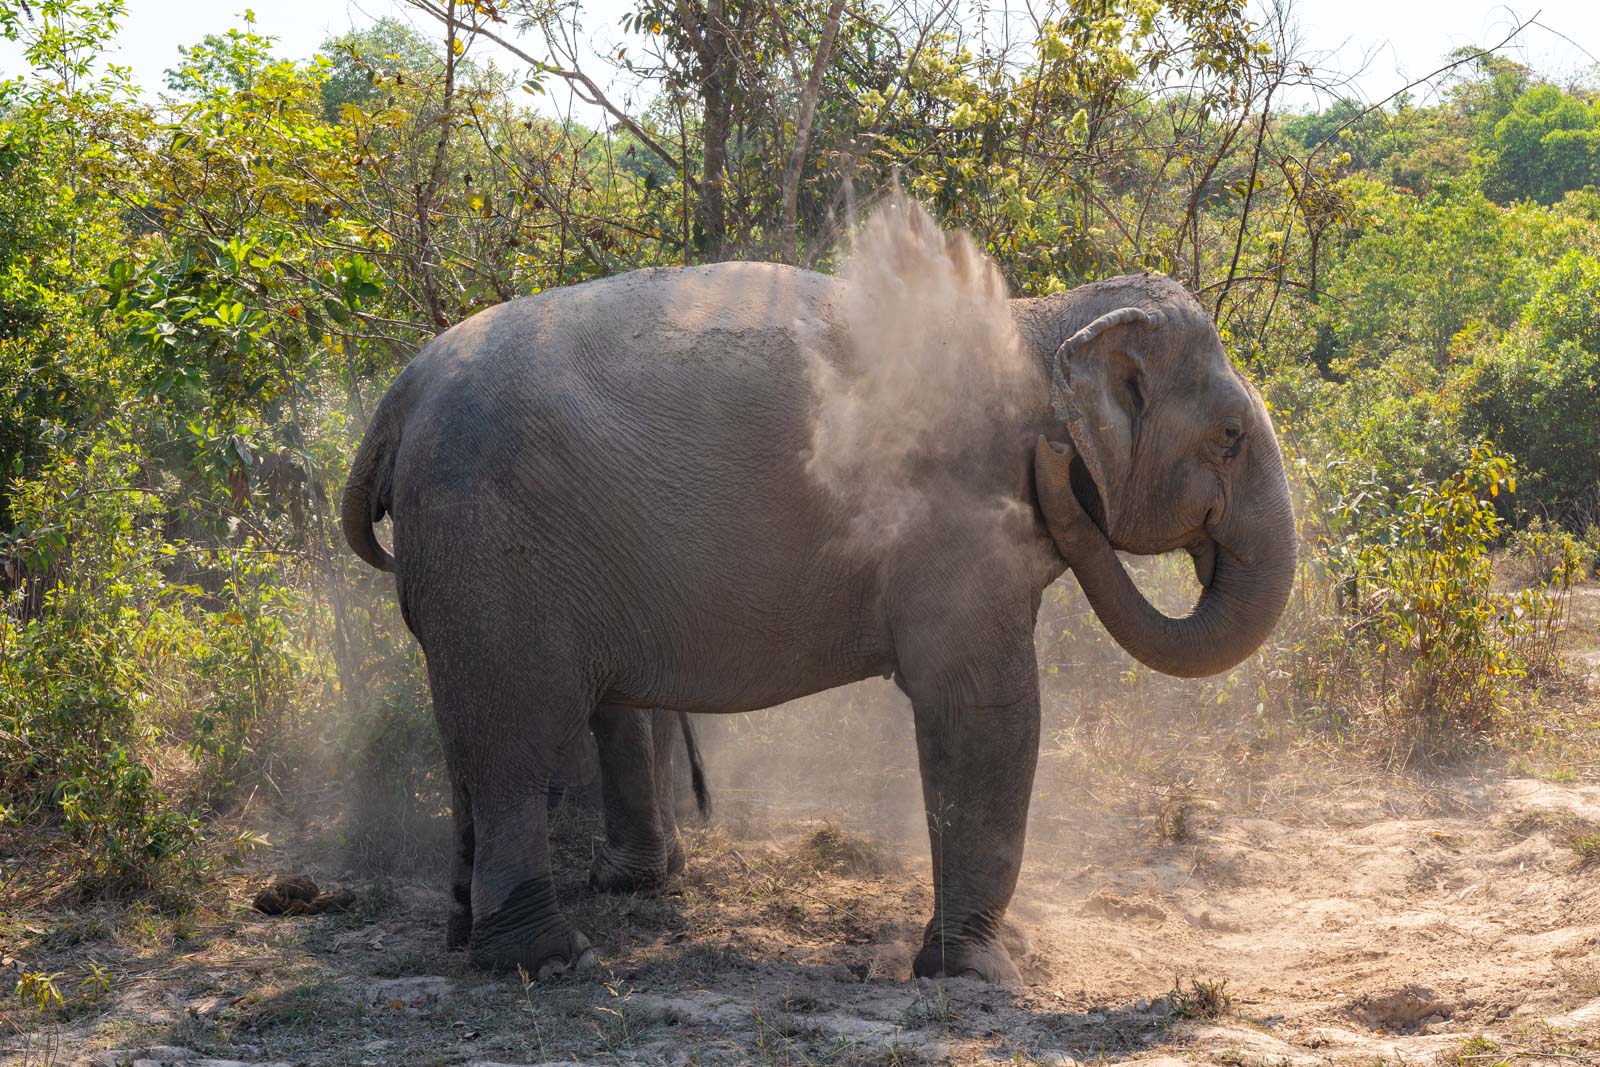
[[697, 770], [366, 493]]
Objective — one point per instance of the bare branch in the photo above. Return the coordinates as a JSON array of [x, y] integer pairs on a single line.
[[802, 137], [582, 84]]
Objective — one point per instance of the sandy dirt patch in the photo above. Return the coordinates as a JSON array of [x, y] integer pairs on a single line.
[[1457, 924]]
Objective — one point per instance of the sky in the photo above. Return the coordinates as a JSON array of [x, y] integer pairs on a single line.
[[1383, 43]]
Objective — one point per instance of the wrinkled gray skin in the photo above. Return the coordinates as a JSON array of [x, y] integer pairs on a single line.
[[601, 507]]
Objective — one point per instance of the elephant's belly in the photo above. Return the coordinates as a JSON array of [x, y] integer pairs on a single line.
[[720, 656], [746, 689]]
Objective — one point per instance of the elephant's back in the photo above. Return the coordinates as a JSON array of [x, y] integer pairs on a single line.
[[667, 346], [645, 437]]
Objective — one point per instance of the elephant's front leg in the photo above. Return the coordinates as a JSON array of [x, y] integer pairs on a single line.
[[977, 742], [642, 849]]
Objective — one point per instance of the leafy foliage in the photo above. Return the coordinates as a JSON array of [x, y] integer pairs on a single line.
[[1547, 144], [1415, 584]]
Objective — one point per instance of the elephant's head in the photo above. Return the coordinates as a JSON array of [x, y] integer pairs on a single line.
[[1160, 444]]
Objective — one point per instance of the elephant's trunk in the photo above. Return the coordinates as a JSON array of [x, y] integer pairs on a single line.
[[1249, 581]]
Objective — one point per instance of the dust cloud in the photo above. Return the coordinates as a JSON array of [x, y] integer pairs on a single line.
[[1118, 744], [847, 756], [935, 364]]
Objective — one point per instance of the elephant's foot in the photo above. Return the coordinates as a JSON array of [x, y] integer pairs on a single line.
[[512, 938], [986, 959], [616, 871], [542, 956]]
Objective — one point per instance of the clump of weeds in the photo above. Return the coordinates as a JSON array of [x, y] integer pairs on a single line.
[[1202, 999]]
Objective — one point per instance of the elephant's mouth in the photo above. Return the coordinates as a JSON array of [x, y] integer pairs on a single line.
[[1198, 543], [1088, 494]]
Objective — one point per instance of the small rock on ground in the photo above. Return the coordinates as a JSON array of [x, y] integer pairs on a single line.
[[409, 992]]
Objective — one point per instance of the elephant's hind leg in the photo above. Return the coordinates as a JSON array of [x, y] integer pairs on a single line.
[[505, 731], [516, 918], [642, 849]]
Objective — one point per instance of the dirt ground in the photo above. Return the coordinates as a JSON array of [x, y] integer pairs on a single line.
[[1460, 925], [1308, 918]]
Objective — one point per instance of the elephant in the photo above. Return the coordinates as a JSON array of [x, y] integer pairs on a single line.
[[605, 512], [578, 784]]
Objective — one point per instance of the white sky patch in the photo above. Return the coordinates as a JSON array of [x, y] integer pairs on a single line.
[[1378, 45]]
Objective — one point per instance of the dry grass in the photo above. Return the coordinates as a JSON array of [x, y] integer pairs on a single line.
[[1581, 836], [1533, 1045]]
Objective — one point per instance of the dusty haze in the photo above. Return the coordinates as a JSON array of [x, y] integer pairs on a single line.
[[935, 364]]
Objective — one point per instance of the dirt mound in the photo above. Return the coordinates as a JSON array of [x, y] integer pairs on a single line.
[[831, 849]]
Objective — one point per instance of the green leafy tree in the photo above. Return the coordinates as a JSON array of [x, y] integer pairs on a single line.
[[60, 190], [1547, 144], [1488, 91], [1417, 275], [221, 62], [1537, 393], [365, 65]]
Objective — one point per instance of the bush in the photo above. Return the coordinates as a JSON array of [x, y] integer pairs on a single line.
[[1543, 404], [1542, 554], [1421, 644], [130, 701], [247, 664], [73, 679]]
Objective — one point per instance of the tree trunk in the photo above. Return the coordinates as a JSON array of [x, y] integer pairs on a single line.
[[710, 211], [716, 76], [802, 137], [427, 192]]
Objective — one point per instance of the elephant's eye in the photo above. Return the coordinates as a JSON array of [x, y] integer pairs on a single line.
[[1232, 437], [1135, 397]]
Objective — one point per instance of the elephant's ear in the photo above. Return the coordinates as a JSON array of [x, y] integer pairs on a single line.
[[1098, 388]]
